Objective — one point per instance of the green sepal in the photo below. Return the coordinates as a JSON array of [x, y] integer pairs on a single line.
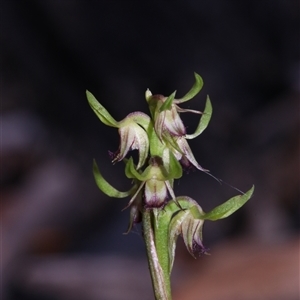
[[131, 172], [148, 95], [152, 104], [140, 118], [136, 194], [196, 88], [168, 103], [173, 206], [159, 172], [229, 207], [171, 141], [162, 218], [156, 145], [134, 213], [105, 187], [204, 120], [190, 229], [175, 167], [100, 111], [174, 232]]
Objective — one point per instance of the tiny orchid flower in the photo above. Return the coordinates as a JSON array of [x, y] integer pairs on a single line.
[[169, 126], [167, 120], [156, 181], [132, 136], [165, 111], [132, 131], [188, 223], [187, 219]]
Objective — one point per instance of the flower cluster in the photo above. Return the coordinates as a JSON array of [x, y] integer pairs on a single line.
[[162, 143]]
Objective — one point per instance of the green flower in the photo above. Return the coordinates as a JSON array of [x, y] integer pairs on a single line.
[[165, 111], [132, 131], [132, 136], [184, 216], [156, 181], [167, 120], [188, 223], [169, 127]]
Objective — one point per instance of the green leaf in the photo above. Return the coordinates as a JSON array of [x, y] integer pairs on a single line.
[[168, 103], [105, 187], [204, 120], [196, 88], [229, 207], [100, 111]]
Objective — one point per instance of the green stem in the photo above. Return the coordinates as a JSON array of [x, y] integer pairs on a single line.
[[161, 226], [161, 284]]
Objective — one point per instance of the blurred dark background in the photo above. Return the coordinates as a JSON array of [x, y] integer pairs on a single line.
[[61, 237]]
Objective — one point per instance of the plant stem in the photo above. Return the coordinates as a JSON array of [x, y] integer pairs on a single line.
[[161, 286]]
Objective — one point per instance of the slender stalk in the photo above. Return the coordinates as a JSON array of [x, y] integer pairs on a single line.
[[161, 242], [161, 286]]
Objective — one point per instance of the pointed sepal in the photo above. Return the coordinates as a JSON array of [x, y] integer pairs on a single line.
[[168, 103], [101, 112], [229, 207], [204, 120], [196, 88], [105, 187]]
